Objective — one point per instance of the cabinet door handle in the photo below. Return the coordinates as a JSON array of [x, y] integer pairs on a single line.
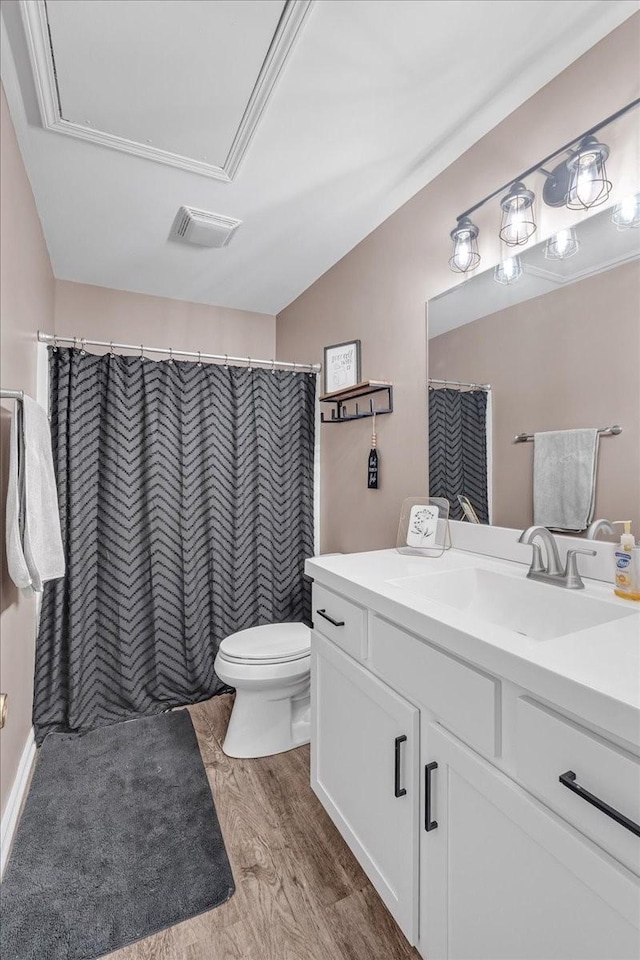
[[429, 824], [397, 789], [568, 780], [336, 623]]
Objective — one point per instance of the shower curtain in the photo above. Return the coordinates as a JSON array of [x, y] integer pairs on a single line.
[[458, 449], [186, 506]]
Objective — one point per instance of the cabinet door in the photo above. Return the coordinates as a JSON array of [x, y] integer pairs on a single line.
[[364, 769], [504, 878]]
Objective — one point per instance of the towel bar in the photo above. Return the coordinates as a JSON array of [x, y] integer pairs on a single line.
[[603, 431]]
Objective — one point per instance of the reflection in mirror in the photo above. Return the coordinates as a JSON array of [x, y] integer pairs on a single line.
[[557, 349]]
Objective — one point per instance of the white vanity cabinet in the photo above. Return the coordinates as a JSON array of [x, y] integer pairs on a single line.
[[502, 877], [365, 761], [487, 855]]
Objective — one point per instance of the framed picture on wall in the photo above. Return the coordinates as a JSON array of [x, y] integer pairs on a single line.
[[341, 366]]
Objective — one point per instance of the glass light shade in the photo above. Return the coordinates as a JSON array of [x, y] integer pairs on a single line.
[[508, 271], [626, 214], [588, 184], [518, 222], [562, 246], [465, 246]]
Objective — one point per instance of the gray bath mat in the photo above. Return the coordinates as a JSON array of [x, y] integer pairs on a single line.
[[119, 839]]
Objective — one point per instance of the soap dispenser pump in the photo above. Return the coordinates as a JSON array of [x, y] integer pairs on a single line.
[[627, 561]]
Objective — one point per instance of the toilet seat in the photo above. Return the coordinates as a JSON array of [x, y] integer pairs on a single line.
[[269, 644]]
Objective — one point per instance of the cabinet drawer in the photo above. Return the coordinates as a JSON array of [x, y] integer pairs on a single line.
[[548, 746], [463, 699], [340, 620]]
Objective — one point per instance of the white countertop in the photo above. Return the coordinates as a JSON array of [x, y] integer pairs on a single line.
[[592, 673]]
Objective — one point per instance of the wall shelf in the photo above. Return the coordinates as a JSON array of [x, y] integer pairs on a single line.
[[340, 412]]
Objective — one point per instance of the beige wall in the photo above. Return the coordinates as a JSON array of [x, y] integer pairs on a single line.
[[104, 314], [26, 299], [567, 359], [377, 292]]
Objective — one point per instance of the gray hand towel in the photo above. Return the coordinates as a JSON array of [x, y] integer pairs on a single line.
[[564, 478]]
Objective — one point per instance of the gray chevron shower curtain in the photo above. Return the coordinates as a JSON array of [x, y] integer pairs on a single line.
[[186, 505], [458, 449]]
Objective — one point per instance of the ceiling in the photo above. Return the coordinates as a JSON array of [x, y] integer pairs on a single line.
[[305, 120], [601, 246]]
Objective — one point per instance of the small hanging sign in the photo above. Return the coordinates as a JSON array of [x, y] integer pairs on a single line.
[[373, 468]]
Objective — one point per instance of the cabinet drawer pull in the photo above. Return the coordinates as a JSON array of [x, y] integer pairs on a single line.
[[568, 780], [429, 824], [397, 789], [325, 615]]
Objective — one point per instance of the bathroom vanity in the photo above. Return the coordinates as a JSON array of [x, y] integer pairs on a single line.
[[476, 740]]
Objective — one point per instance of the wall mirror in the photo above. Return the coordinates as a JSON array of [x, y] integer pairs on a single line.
[[556, 347]]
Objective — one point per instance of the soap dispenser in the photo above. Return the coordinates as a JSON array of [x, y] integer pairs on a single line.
[[627, 561]]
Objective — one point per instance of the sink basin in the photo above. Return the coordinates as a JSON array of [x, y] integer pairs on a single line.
[[535, 610]]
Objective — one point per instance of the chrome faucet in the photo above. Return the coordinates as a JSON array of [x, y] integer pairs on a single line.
[[600, 526], [551, 571]]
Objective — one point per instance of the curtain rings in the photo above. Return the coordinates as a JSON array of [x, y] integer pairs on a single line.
[[226, 361], [111, 353], [294, 367], [75, 343], [199, 359], [273, 366], [170, 354], [142, 356], [82, 345], [249, 368], [55, 343]]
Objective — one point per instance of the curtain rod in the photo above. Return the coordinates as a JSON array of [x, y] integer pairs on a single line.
[[461, 383], [83, 342], [11, 394]]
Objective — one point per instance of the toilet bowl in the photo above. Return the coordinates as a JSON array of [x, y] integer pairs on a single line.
[[270, 668]]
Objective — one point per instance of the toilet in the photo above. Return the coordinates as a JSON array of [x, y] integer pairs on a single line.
[[270, 668]]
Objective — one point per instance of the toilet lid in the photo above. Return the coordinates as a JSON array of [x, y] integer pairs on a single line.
[[271, 643]]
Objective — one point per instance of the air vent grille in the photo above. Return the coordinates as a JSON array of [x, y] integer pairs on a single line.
[[203, 229]]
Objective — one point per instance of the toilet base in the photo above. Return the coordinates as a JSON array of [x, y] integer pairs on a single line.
[[261, 727]]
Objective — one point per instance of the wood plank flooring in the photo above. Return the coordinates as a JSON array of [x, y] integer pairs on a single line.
[[300, 893]]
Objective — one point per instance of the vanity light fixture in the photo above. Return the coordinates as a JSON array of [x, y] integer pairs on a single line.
[[518, 223], [563, 245], [508, 271], [626, 214], [465, 246], [588, 186], [578, 182]]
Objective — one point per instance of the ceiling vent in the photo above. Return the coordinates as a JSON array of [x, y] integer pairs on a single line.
[[202, 228]]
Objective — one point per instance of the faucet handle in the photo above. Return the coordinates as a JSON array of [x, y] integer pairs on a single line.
[[571, 575]]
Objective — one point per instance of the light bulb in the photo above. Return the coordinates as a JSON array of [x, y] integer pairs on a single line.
[[626, 214], [562, 246], [588, 186], [465, 249], [518, 223], [508, 271]]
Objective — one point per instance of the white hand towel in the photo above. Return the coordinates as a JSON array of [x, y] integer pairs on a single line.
[[42, 540], [16, 563], [564, 478]]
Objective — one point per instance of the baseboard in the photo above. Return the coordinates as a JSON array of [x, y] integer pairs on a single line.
[[14, 803]]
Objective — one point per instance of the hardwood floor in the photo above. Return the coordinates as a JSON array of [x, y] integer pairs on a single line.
[[300, 893]]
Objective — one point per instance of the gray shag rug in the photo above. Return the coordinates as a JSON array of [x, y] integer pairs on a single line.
[[119, 839]]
